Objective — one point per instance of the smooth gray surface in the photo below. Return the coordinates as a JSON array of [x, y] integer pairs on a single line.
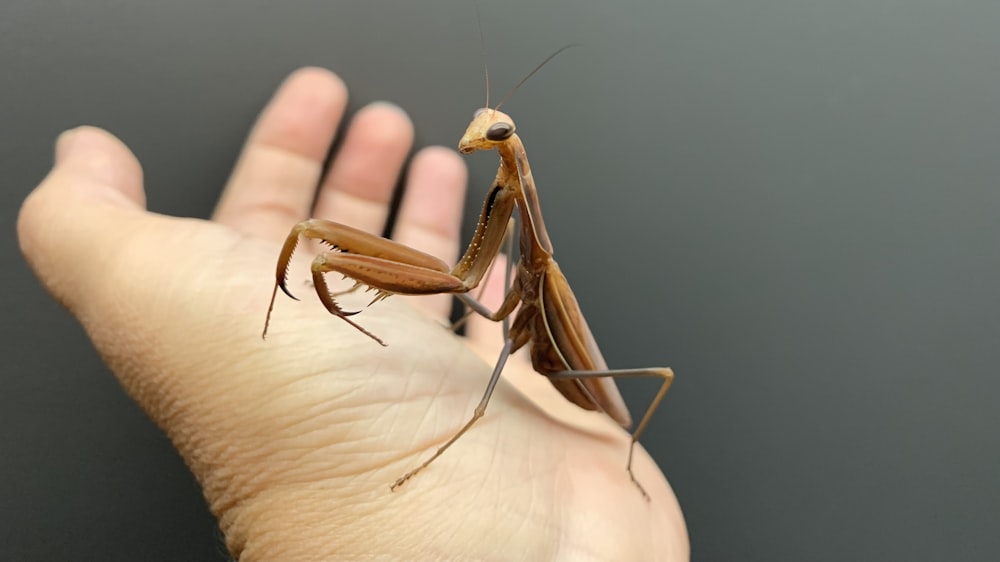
[[793, 203]]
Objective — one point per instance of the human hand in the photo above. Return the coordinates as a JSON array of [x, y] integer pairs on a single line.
[[296, 439]]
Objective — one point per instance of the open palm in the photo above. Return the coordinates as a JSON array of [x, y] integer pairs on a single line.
[[296, 439]]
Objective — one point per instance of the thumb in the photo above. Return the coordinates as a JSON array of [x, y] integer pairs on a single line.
[[63, 225]]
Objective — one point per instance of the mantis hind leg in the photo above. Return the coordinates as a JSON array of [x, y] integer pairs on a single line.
[[663, 373]]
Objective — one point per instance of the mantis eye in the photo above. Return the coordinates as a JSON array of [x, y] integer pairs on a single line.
[[478, 112], [499, 131]]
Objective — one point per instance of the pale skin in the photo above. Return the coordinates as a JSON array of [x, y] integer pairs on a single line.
[[296, 439]]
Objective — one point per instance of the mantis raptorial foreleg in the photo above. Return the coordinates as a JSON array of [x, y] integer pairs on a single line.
[[508, 250]]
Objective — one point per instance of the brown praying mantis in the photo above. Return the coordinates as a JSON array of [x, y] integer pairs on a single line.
[[548, 319]]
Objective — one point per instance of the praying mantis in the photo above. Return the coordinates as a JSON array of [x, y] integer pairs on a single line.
[[548, 320]]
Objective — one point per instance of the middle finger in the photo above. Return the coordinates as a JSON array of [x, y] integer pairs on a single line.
[[359, 186]]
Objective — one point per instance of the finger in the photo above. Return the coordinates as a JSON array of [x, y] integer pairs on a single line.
[[95, 185], [359, 186], [275, 179], [430, 215]]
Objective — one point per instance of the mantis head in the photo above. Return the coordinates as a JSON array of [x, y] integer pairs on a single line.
[[489, 127]]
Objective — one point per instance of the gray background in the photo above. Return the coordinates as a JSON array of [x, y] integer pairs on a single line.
[[793, 203]]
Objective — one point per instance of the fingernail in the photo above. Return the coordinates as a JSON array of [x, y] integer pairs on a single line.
[[64, 144]]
